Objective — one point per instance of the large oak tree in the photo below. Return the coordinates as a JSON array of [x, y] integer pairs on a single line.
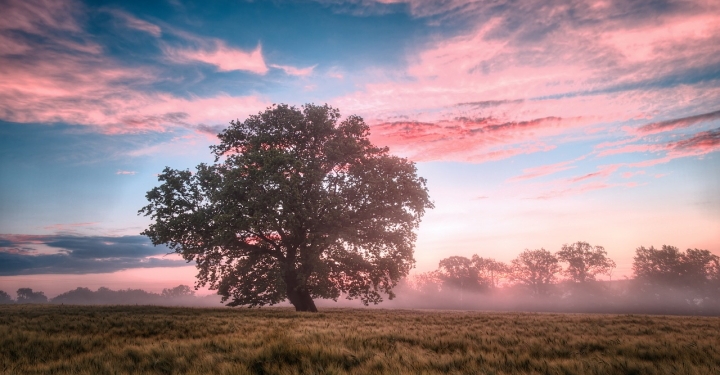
[[298, 205]]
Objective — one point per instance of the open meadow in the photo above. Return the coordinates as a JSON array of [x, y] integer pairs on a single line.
[[56, 339]]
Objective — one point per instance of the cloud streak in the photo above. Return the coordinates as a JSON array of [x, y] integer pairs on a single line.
[[467, 139], [699, 144], [224, 58], [137, 24], [543, 170], [78, 254], [293, 71], [678, 123]]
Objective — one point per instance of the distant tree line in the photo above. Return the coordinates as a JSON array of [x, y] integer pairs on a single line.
[[536, 270], [660, 276], [85, 296]]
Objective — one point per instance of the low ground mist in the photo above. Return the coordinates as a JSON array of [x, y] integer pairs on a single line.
[[616, 297]]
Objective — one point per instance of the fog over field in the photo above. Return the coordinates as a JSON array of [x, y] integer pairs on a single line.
[[666, 281], [617, 297]]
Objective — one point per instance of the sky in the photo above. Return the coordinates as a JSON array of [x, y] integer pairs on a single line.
[[536, 123]]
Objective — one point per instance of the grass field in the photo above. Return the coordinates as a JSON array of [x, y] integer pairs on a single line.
[[51, 339]]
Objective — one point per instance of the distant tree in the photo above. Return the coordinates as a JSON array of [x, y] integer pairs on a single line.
[[302, 206], [5, 298], [427, 282], [78, 296], [670, 266], [584, 261], [26, 295], [658, 265], [490, 270], [714, 271], [460, 273], [178, 292], [699, 267], [536, 269]]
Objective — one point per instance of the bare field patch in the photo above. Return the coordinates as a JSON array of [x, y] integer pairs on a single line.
[[42, 339]]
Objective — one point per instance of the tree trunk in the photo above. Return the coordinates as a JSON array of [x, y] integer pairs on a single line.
[[298, 295]]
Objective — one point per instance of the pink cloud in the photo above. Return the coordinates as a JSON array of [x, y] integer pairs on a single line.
[[604, 171], [225, 58], [543, 170], [591, 69], [696, 145], [334, 72], [629, 148], [293, 71], [506, 152], [121, 172], [136, 23], [630, 174], [615, 143], [73, 82], [94, 92], [475, 140], [574, 59], [684, 122], [699, 144], [575, 190], [649, 42], [33, 15], [650, 162]]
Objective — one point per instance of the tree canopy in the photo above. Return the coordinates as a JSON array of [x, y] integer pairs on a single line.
[[298, 205], [536, 269], [460, 273], [584, 261], [179, 291], [5, 298], [670, 266], [472, 274], [490, 269], [26, 295]]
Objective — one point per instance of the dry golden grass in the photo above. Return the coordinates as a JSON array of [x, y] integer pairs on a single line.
[[51, 339]]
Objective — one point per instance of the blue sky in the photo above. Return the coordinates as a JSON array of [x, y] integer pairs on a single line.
[[536, 123]]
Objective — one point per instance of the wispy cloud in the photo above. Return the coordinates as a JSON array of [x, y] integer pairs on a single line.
[[225, 58], [293, 71], [69, 227], [543, 170], [575, 190], [133, 22], [126, 172], [631, 174], [683, 122], [603, 171], [699, 144]]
